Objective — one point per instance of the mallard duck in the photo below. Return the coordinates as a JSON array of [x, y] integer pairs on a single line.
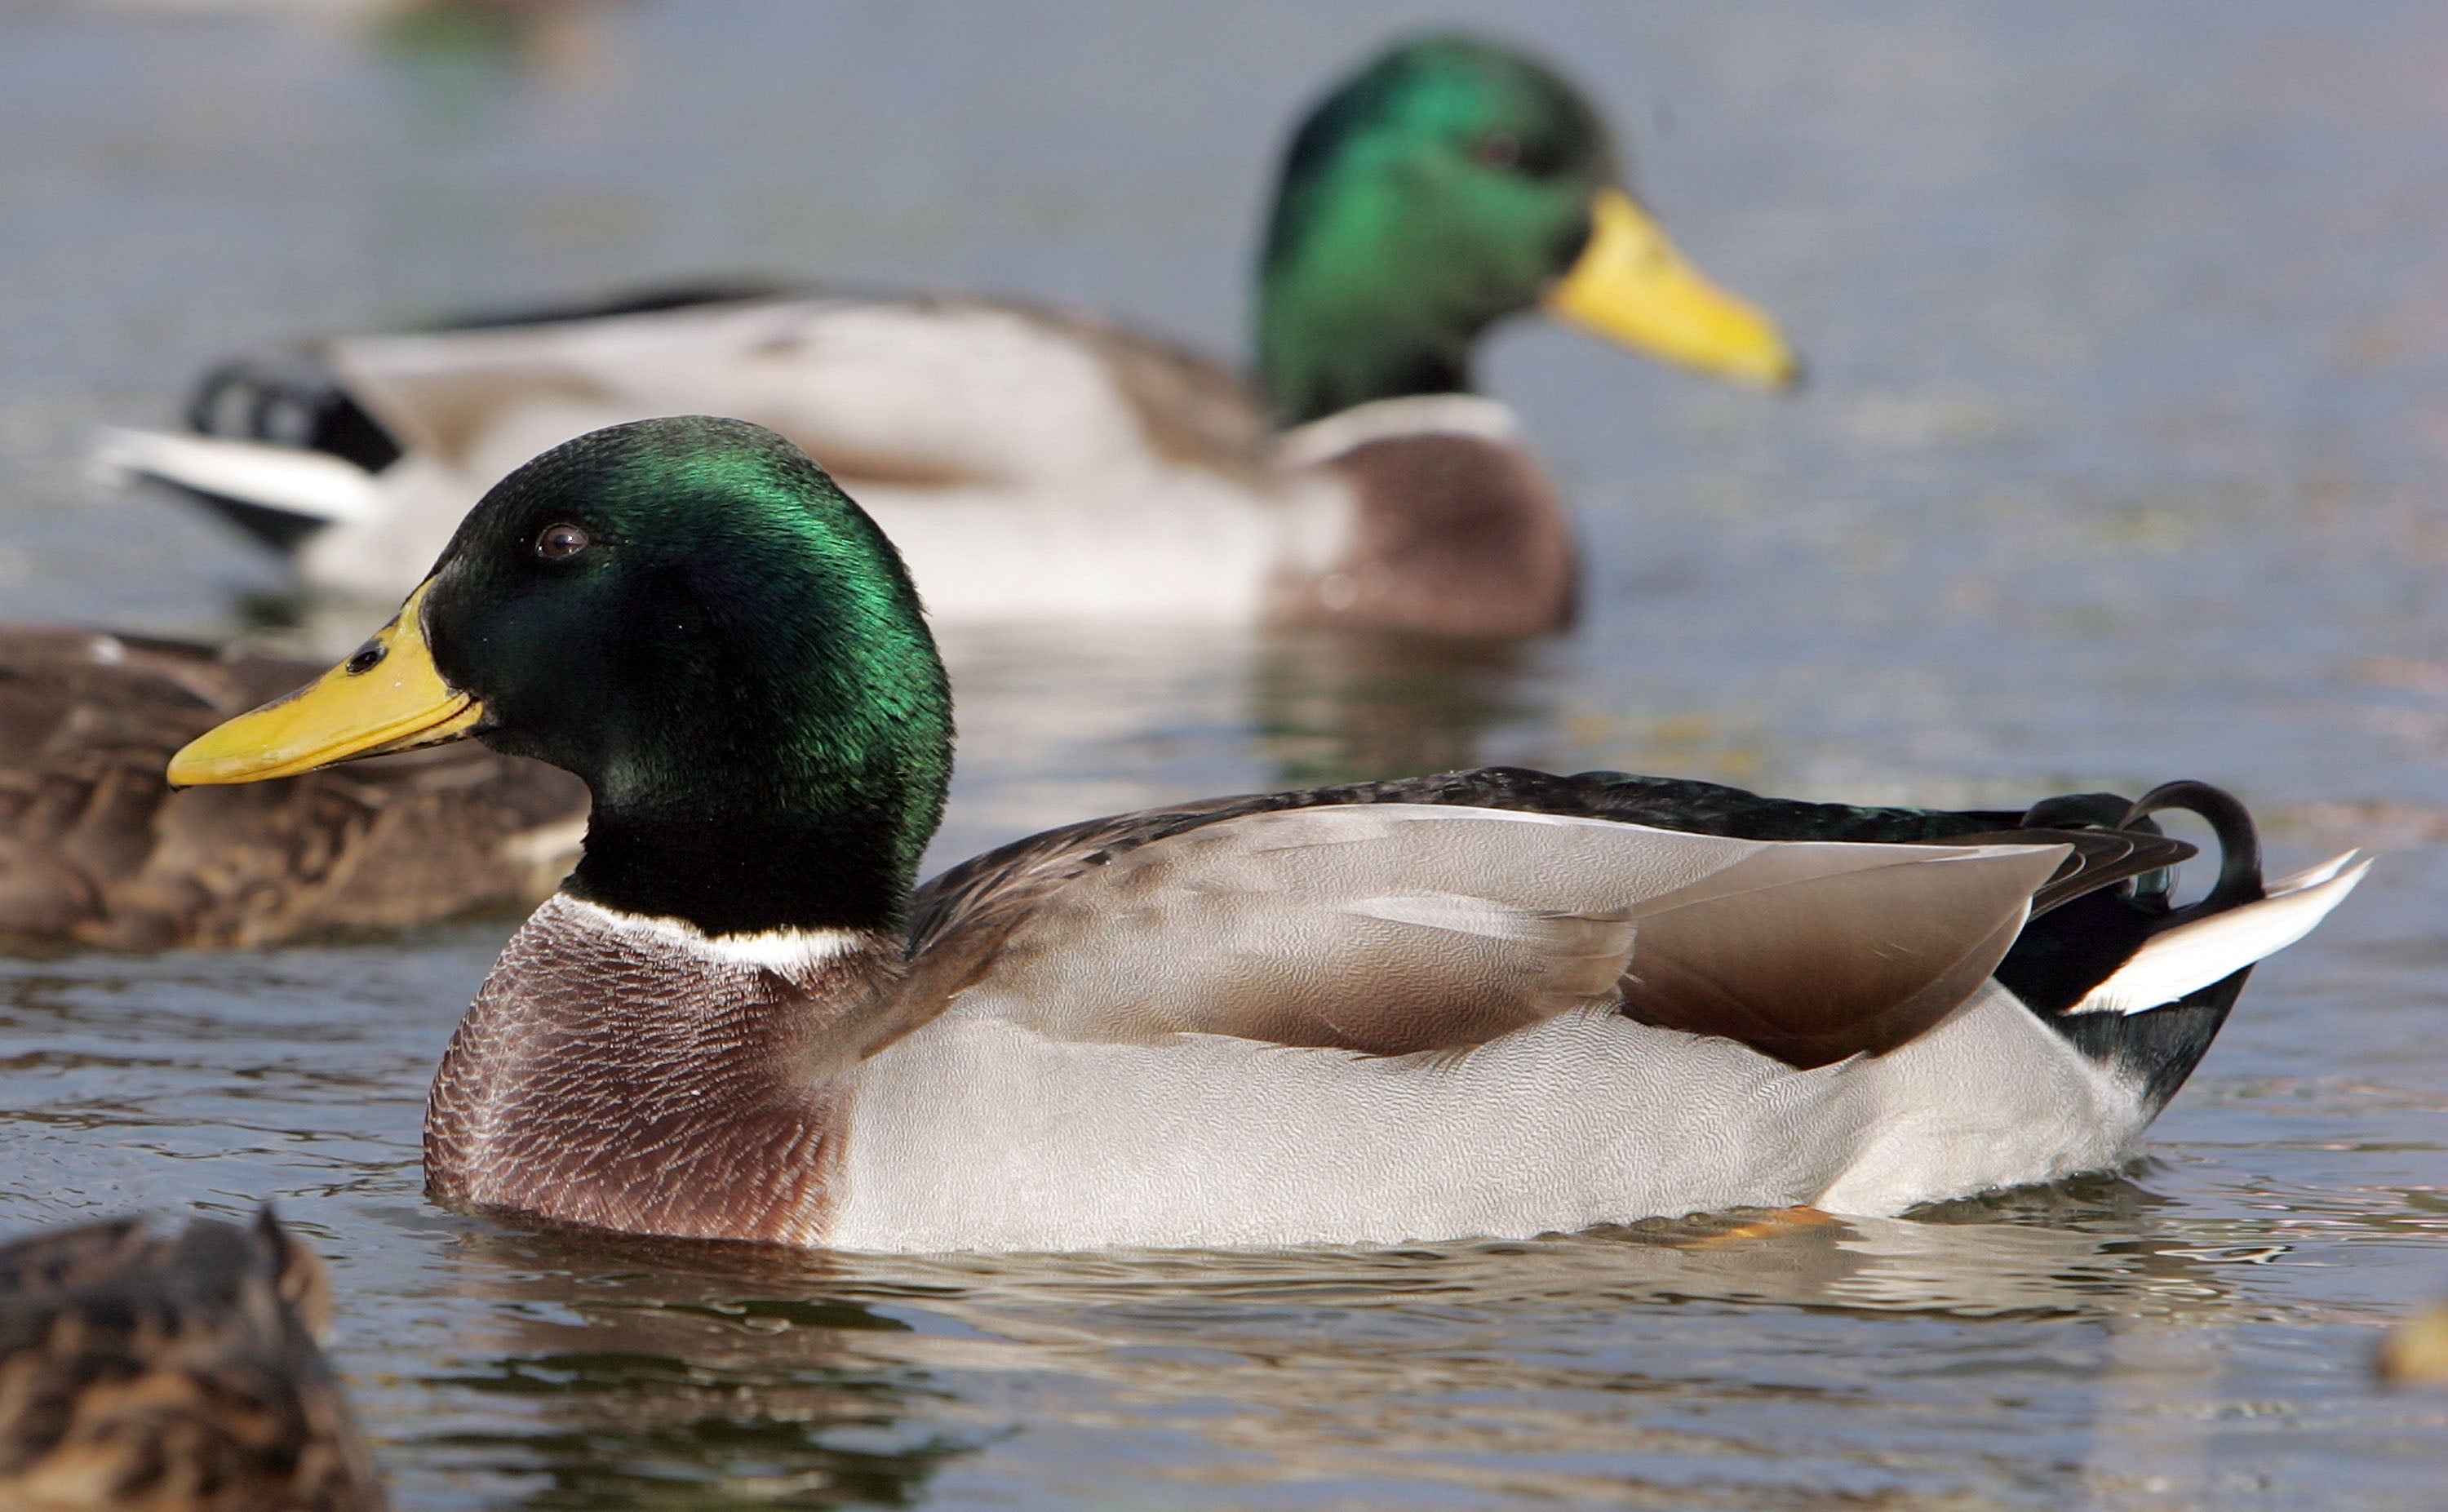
[[2415, 1351], [1037, 465], [96, 848], [148, 1374], [1487, 1003]]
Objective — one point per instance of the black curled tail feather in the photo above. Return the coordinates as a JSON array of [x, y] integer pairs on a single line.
[[2064, 954], [2239, 879]]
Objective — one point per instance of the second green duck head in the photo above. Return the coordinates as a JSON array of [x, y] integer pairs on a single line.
[[1447, 184]]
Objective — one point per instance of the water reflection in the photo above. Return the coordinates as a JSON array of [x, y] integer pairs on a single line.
[[1328, 706], [2080, 1339], [2124, 467], [604, 1368], [2091, 1247], [599, 1367]]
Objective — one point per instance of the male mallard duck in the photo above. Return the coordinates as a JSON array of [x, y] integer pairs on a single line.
[[1035, 465], [145, 1375], [1488, 1002], [95, 846]]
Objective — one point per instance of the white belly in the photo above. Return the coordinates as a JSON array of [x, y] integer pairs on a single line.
[[1178, 546], [974, 1134]]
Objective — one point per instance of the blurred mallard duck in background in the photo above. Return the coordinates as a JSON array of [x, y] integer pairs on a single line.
[[96, 848], [140, 1373], [1487, 1003], [2415, 1352], [1037, 465]]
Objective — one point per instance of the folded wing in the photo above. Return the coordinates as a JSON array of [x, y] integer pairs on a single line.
[[1388, 929]]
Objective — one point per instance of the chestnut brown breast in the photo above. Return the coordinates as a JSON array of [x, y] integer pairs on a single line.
[[622, 1080], [1454, 534]]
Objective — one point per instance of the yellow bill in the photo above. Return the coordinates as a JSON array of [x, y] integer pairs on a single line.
[[389, 696], [1631, 286]]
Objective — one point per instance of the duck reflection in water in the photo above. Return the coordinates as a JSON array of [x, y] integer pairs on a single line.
[[1333, 706], [613, 1362], [862, 1378]]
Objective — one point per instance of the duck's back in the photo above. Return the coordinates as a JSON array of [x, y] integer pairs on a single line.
[[895, 391], [149, 1375], [1028, 463], [95, 846]]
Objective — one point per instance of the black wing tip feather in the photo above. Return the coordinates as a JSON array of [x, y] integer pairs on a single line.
[[2096, 859]]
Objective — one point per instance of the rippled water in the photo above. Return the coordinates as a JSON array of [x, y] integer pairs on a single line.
[[2124, 462]]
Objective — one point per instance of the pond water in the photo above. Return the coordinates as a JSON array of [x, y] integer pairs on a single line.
[[2123, 462]]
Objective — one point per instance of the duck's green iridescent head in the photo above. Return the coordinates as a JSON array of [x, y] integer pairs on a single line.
[[689, 615], [1447, 184]]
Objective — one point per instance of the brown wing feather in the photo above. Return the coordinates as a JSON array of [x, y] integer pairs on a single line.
[[1777, 968], [1812, 967], [1000, 883], [1403, 928], [95, 848]]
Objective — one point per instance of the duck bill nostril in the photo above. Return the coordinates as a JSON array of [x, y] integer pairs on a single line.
[[389, 696]]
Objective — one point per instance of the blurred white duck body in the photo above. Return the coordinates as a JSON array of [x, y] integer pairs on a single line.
[[1001, 452]]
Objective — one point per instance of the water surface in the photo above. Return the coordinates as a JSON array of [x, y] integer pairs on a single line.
[[2123, 463]]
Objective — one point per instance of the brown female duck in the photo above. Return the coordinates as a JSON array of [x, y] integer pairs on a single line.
[[140, 1373], [96, 848]]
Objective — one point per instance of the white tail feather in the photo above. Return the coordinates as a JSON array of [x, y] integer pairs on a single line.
[[2193, 956], [308, 484], [2312, 875]]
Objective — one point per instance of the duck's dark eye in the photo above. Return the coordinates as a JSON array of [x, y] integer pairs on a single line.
[[1501, 150], [559, 543]]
